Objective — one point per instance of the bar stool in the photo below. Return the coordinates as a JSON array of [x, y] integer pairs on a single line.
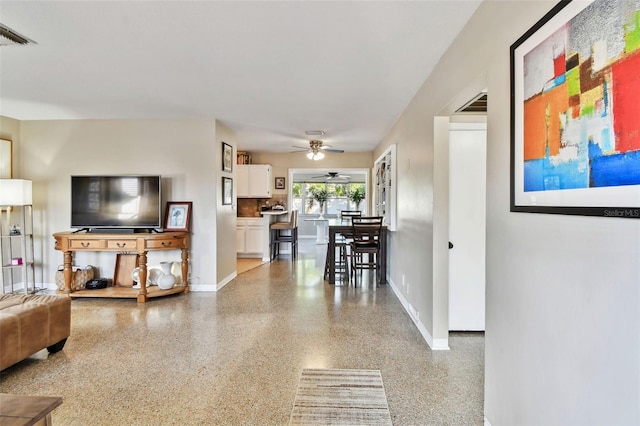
[[366, 241], [277, 237], [341, 261]]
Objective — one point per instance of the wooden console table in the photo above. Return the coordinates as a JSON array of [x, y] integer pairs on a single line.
[[140, 243]]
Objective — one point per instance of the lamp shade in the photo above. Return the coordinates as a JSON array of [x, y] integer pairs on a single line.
[[15, 192]]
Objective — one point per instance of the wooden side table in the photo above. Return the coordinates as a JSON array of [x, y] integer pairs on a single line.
[[25, 410], [140, 243]]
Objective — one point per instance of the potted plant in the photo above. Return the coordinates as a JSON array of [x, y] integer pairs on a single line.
[[357, 196], [320, 195]]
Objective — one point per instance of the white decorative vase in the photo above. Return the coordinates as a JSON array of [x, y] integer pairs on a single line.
[[166, 280], [176, 271]]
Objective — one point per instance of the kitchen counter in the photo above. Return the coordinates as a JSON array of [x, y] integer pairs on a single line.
[[273, 212], [264, 222]]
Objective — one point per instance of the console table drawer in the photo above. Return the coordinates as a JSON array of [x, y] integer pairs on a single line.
[[166, 243], [122, 245], [86, 244]]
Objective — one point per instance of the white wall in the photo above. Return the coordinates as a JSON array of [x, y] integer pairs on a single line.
[[225, 229], [283, 162], [10, 130], [563, 293], [182, 151]]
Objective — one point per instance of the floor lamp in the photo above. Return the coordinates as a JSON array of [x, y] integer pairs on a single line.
[[14, 193]]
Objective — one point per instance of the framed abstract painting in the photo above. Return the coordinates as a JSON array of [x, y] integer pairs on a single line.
[[575, 111]]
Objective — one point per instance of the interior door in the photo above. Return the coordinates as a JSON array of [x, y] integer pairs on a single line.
[[467, 225]]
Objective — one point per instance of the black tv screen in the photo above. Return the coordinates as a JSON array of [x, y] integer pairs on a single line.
[[116, 202]]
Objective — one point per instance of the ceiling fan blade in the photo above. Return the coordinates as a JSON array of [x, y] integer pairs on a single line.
[[335, 151], [306, 148]]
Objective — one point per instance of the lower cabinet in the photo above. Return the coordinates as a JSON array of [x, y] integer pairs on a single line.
[[250, 237]]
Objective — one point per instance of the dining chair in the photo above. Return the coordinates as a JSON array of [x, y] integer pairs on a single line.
[[346, 215], [365, 245], [277, 236]]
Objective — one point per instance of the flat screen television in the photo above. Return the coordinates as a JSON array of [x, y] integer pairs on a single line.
[[125, 202]]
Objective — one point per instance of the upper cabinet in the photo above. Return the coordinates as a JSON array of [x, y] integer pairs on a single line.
[[253, 181]]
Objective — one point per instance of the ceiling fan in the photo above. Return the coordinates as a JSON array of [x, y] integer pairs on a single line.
[[331, 176], [317, 149]]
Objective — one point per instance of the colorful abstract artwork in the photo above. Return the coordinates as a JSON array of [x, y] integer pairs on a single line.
[[576, 130]]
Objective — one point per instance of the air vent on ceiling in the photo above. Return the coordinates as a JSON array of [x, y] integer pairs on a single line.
[[9, 37], [476, 105], [314, 132]]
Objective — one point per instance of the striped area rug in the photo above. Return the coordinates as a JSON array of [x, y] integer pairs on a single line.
[[340, 397]]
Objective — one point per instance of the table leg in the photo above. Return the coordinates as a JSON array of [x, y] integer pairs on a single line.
[[331, 256], [142, 264], [67, 270], [321, 232], [185, 269], [383, 257]]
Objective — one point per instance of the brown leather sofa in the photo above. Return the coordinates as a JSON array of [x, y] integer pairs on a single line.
[[30, 323]]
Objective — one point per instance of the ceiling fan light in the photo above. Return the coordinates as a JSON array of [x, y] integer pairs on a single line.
[[310, 155], [319, 156]]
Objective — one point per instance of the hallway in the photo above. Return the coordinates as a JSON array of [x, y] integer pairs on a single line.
[[235, 357]]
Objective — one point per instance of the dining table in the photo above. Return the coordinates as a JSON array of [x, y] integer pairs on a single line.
[[337, 227]]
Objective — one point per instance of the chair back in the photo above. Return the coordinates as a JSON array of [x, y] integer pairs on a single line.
[[347, 215], [366, 230], [293, 219]]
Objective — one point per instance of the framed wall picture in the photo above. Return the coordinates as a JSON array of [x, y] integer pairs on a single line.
[[227, 157], [177, 216], [280, 183], [575, 133], [6, 161], [227, 191]]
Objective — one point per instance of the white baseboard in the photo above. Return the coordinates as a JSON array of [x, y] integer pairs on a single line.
[[205, 287], [434, 344], [218, 286]]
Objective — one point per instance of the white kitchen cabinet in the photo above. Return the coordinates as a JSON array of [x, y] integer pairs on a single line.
[[240, 238], [253, 181], [253, 239], [250, 237]]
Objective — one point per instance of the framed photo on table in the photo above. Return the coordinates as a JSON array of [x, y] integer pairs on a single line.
[[227, 157], [575, 133], [227, 191], [177, 216]]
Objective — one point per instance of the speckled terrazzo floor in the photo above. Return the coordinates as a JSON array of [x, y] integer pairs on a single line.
[[235, 357]]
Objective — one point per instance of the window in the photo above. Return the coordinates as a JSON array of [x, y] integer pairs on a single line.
[[337, 200]]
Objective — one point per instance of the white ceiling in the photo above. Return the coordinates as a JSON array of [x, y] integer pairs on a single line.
[[268, 69]]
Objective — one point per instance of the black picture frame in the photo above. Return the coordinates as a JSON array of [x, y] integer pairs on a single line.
[[227, 191], [227, 157], [539, 180], [280, 183]]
